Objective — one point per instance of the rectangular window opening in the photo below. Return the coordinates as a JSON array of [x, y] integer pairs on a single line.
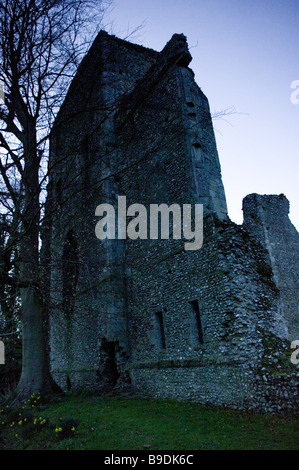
[[160, 330], [197, 320]]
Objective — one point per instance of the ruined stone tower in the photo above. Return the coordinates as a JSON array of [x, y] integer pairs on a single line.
[[212, 325]]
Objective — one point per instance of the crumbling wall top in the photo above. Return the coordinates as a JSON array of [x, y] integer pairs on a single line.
[[274, 203]]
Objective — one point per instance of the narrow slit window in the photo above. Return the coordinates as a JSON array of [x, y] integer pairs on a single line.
[[160, 330], [196, 322]]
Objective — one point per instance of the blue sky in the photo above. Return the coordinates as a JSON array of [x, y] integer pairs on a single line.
[[245, 55]]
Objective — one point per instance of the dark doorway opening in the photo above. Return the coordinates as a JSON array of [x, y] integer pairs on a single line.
[[108, 373], [68, 384]]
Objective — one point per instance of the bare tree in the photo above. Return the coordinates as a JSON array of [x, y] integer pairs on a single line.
[[41, 44]]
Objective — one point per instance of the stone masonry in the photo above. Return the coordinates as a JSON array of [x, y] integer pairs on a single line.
[[212, 325]]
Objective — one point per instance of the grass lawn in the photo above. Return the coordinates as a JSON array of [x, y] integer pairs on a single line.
[[90, 422]]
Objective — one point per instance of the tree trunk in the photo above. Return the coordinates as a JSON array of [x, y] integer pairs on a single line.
[[35, 367], [35, 375]]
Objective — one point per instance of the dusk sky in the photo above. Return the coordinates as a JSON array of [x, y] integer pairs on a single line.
[[245, 56]]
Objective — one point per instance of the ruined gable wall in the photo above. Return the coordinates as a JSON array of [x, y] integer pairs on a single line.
[[167, 119]]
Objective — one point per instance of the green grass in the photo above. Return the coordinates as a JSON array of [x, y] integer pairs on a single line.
[[134, 423]]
